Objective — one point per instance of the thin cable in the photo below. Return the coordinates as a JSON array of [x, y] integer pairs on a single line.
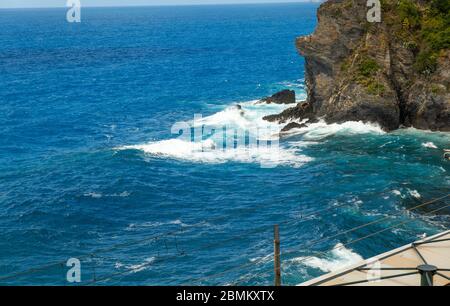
[[365, 237], [261, 259], [317, 253], [170, 233], [264, 228], [114, 247], [359, 227], [302, 218], [317, 241]]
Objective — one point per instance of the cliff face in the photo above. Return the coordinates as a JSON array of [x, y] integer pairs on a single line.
[[390, 73]]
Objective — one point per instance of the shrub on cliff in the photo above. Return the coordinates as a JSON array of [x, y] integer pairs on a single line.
[[425, 27], [409, 14], [435, 35], [368, 67]]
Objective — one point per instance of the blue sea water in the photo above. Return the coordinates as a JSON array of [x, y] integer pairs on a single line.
[[89, 168]]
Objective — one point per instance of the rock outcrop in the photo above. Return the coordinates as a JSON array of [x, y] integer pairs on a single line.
[[390, 72], [282, 97], [293, 125], [303, 110]]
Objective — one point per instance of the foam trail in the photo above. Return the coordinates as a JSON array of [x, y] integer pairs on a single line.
[[247, 117], [397, 192], [205, 152], [340, 257], [321, 130], [250, 116], [137, 267], [414, 193], [429, 145]]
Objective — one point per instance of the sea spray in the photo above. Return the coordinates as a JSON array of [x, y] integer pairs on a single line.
[[236, 133], [340, 257]]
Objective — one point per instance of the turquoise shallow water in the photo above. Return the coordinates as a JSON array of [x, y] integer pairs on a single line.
[[89, 167]]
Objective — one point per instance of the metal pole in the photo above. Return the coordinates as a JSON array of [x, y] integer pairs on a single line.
[[426, 279], [276, 235], [427, 273]]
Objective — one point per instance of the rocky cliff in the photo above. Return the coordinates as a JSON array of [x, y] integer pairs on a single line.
[[395, 72]]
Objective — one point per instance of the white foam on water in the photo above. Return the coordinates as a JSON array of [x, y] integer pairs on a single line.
[[302, 144], [399, 231], [321, 130], [137, 267], [414, 193], [422, 236], [341, 257], [98, 195], [122, 194], [263, 259], [207, 152], [385, 144], [231, 116], [397, 192], [424, 133], [376, 213], [429, 145], [94, 195], [249, 118], [134, 226]]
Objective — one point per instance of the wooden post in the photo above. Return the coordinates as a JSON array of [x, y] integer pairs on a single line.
[[276, 240]]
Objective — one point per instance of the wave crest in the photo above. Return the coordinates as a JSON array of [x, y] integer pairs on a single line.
[[321, 130], [206, 152], [341, 257]]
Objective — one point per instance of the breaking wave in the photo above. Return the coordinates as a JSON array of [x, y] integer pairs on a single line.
[[205, 152], [411, 192], [321, 130], [430, 145], [247, 116], [339, 258]]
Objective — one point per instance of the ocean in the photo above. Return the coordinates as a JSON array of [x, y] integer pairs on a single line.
[[90, 168]]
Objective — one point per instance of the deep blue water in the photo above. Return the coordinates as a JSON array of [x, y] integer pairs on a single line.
[[75, 97]]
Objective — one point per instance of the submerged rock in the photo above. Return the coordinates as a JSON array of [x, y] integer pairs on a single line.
[[293, 125], [239, 108], [282, 97]]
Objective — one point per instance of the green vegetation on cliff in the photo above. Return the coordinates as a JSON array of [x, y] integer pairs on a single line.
[[424, 28], [394, 72], [367, 70], [368, 67]]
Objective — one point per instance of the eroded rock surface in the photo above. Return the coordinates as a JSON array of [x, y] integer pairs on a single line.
[[376, 72]]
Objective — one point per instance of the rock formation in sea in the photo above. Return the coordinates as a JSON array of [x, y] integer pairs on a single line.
[[282, 97], [394, 73]]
